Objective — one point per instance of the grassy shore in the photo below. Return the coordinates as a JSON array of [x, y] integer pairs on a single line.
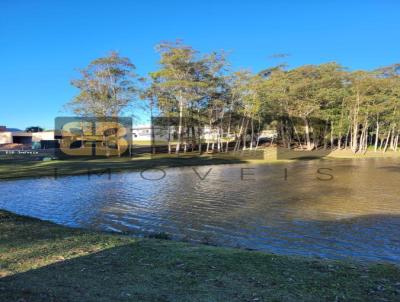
[[54, 168], [42, 261], [25, 168]]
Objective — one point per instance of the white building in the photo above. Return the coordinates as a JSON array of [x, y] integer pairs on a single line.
[[14, 136], [142, 134], [6, 137]]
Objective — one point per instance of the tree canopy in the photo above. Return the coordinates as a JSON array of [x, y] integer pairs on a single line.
[[107, 86], [310, 106]]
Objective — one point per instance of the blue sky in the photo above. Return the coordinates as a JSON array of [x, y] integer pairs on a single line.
[[44, 42]]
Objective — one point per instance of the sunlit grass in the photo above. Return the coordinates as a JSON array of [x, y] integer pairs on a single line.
[[41, 261], [75, 166]]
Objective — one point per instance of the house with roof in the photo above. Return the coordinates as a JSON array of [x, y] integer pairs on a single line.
[[36, 140]]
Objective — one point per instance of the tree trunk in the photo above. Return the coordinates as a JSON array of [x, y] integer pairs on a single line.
[[237, 143], [387, 141], [297, 135], [252, 134], [307, 130], [178, 145], [346, 141], [376, 136], [245, 134]]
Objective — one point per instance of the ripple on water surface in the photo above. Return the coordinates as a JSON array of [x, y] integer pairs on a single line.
[[356, 213]]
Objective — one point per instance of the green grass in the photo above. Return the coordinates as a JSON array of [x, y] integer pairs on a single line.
[[28, 168], [41, 261]]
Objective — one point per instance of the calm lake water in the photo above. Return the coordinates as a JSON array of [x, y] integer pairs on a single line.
[[280, 208]]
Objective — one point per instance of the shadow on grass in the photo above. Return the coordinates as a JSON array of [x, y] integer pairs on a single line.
[[286, 154], [163, 271], [146, 271], [160, 270], [119, 273]]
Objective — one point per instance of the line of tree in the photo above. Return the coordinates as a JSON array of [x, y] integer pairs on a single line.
[[311, 106]]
